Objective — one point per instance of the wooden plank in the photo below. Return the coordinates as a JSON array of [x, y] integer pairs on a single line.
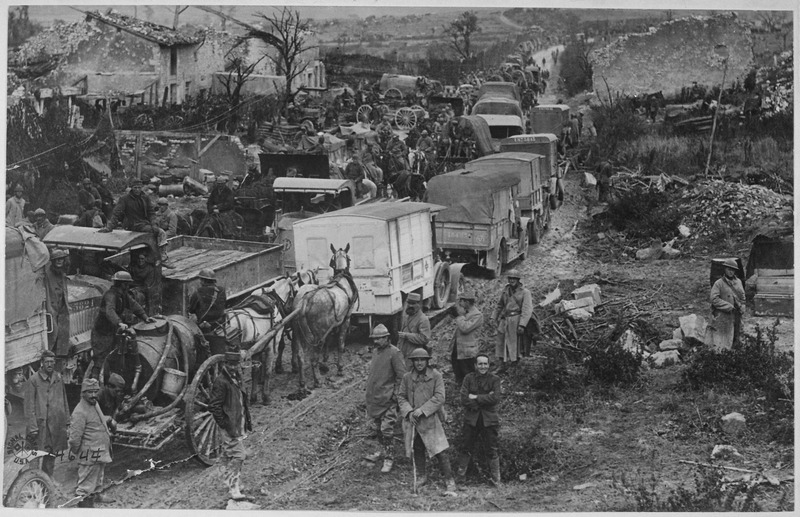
[[774, 305], [208, 259], [774, 272], [208, 145]]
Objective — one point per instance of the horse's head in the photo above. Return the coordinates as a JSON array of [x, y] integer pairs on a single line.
[[340, 261], [307, 277], [284, 290]]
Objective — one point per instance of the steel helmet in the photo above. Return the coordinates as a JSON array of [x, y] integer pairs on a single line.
[[122, 276], [419, 353], [87, 180], [58, 254], [163, 201], [731, 263], [207, 274], [379, 331]]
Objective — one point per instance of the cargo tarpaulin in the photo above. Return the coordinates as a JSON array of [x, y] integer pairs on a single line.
[[479, 197], [480, 128]]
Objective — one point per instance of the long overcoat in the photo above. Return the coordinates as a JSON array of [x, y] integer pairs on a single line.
[[727, 296], [46, 411], [424, 390], [89, 439]]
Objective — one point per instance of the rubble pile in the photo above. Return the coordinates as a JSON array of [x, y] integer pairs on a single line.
[[715, 203]]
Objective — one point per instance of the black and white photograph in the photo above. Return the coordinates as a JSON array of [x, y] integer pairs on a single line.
[[359, 257]]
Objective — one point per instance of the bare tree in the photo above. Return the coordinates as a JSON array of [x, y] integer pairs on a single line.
[[772, 20], [460, 32], [286, 32], [177, 16], [238, 73]]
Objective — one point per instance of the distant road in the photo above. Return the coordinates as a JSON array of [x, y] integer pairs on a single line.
[[508, 22]]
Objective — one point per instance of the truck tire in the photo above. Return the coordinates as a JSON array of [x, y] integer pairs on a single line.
[[441, 285], [501, 255], [534, 234], [32, 489]]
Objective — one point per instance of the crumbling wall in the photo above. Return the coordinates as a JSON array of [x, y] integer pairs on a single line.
[[162, 153], [673, 56]]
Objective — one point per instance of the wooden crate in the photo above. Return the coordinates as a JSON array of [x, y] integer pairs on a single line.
[[783, 285], [774, 305]]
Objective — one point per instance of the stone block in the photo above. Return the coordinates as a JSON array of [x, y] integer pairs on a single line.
[[664, 359], [693, 327], [671, 253], [588, 291], [677, 334], [568, 306], [734, 424], [579, 315], [670, 344]]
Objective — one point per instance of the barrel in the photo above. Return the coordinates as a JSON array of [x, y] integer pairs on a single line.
[[172, 382], [170, 190]]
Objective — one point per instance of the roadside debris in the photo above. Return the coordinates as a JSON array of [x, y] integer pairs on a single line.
[[724, 452]]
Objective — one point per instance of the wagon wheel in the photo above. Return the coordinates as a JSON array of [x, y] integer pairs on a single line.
[[32, 489], [202, 432], [363, 111], [405, 118], [419, 111], [384, 108], [393, 94]]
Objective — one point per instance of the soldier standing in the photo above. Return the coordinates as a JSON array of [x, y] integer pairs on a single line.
[[511, 316]]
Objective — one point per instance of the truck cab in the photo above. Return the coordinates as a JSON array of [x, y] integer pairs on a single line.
[[300, 198]]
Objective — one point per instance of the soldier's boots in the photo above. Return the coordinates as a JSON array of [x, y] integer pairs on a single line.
[[233, 473], [462, 463], [494, 467]]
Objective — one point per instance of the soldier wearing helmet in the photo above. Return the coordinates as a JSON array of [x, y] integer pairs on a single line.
[[41, 225], [727, 308], [511, 316], [385, 373], [55, 283], [421, 399], [87, 195], [118, 310], [207, 308]]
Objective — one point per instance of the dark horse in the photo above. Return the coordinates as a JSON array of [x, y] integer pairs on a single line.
[[324, 309]]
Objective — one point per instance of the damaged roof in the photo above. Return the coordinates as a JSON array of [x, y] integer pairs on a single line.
[[153, 32]]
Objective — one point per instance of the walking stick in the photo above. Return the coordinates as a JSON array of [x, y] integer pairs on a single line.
[[413, 456]]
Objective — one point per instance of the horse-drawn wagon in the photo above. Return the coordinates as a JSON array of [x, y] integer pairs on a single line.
[[392, 252]]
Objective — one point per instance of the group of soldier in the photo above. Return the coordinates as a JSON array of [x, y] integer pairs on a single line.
[[403, 385]]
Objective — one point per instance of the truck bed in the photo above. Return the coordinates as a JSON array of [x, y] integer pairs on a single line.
[[239, 266]]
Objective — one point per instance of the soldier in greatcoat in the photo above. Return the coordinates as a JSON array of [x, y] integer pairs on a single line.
[[46, 410], [383, 383], [415, 331], [511, 316], [55, 283], [90, 443], [421, 398], [727, 308]]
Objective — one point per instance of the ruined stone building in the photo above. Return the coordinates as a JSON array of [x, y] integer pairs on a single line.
[[112, 55]]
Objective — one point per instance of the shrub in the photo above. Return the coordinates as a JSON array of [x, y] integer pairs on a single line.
[[612, 365], [616, 123], [645, 214], [523, 453], [711, 493], [553, 375], [752, 364]]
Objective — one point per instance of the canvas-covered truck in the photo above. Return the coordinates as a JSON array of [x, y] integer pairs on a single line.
[[392, 254], [301, 198], [534, 186], [549, 118], [546, 145], [483, 223]]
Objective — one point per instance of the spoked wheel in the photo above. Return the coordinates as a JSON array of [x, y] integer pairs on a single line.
[[393, 94], [405, 119], [32, 489], [363, 112], [441, 285], [202, 432]]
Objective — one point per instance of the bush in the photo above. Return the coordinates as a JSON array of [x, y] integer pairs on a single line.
[[752, 364], [612, 365], [553, 375], [645, 214], [523, 453], [710, 494], [616, 123]]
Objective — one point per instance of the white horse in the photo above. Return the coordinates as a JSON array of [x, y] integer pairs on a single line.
[[261, 311]]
